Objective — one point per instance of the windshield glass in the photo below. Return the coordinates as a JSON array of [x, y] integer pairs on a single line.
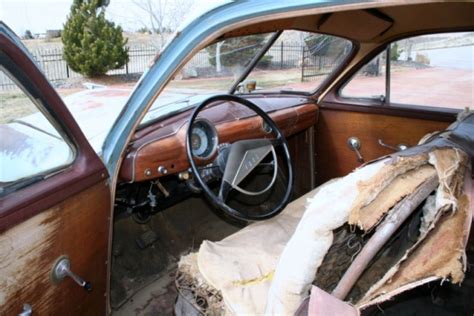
[[295, 61], [211, 71], [298, 61]]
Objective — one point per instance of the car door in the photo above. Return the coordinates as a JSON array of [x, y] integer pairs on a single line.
[[54, 198], [387, 102]]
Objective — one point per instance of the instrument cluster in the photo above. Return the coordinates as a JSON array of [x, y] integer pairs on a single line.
[[204, 139]]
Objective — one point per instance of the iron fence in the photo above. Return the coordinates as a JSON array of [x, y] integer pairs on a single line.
[[280, 56]]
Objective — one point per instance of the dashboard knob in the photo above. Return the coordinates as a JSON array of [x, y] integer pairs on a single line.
[[162, 170]]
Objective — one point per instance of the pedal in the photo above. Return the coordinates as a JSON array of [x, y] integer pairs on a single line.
[[146, 239]]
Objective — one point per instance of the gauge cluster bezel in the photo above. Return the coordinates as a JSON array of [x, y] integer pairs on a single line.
[[212, 138]]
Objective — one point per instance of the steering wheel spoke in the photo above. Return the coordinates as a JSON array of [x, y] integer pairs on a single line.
[[240, 160], [224, 190], [244, 156]]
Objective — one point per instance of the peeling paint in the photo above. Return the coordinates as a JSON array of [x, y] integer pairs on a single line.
[[22, 257]]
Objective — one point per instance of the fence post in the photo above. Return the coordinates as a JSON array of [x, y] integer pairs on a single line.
[[67, 70], [302, 63], [281, 55]]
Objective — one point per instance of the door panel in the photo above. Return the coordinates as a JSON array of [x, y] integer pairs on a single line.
[[335, 126], [62, 212], [302, 153], [78, 228], [87, 168]]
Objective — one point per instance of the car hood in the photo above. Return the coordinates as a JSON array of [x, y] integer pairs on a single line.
[[94, 110]]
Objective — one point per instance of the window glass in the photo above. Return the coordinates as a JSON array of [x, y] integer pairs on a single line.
[[369, 81], [430, 70], [299, 61], [433, 70], [213, 70], [29, 145]]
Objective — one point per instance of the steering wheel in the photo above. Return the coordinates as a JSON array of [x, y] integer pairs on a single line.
[[242, 158]]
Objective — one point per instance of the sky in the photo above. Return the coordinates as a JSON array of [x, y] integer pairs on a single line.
[[41, 15]]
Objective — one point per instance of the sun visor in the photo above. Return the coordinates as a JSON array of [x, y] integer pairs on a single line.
[[364, 25]]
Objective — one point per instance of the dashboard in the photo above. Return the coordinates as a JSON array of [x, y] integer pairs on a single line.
[[159, 149]]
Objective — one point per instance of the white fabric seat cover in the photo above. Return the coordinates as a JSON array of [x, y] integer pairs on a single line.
[[256, 270]]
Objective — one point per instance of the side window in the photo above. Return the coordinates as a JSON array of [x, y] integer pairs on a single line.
[[30, 146], [430, 70], [369, 81]]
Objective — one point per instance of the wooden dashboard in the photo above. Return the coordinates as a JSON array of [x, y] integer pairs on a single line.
[[159, 149]]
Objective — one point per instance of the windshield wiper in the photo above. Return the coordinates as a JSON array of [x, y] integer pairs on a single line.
[[254, 61]]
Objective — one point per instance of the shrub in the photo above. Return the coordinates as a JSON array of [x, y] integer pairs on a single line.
[[237, 51], [395, 52], [92, 45], [317, 44], [265, 62], [422, 59], [28, 35], [144, 30]]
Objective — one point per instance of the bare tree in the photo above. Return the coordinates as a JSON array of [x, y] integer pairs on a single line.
[[164, 16]]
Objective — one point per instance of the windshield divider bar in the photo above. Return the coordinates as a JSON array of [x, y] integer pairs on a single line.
[[254, 61]]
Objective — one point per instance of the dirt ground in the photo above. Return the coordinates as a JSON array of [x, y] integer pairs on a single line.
[[428, 86], [432, 86]]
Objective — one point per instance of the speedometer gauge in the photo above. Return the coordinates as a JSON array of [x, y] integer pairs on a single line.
[[203, 139], [199, 141]]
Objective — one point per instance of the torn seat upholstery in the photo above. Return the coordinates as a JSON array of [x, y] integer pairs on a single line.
[[270, 267]]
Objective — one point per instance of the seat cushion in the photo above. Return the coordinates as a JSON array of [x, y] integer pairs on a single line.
[[242, 266], [268, 267], [255, 251]]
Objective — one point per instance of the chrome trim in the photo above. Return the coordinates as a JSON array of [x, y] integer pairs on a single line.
[[275, 173], [214, 139]]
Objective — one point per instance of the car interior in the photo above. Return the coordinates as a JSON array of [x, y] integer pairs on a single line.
[[295, 163], [183, 187]]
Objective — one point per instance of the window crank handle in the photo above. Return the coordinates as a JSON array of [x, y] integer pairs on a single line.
[[62, 269], [399, 147], [354, 144]]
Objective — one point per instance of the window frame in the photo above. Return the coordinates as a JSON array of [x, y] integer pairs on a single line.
[[20, 79], [386, 102]]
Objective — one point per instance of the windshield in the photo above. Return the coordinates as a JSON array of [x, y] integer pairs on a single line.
[[211, 71], [273, 62]]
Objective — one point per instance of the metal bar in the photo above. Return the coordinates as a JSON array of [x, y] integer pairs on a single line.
[[389, 226], [281, 55], [302, 63], [254, 61]]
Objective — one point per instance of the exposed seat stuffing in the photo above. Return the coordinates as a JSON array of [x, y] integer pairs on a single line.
[[269, 267]]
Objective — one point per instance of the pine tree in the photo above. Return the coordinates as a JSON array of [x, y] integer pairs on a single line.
[[92, 45]]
